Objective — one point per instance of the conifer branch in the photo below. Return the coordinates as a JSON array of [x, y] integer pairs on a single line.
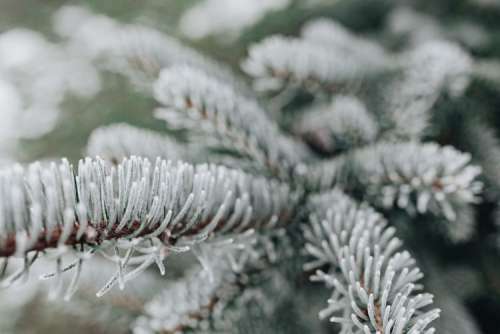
[[206, 298], [137, 206], [325, 58], [429, 70], [375, 286], [279, 62], [198, 101], [118, 141], [418, 177]]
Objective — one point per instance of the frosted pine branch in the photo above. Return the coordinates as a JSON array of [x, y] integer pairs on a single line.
[[324, 175], [279, 62], [198, 101], [418, 177], [375, 286], [189, 302], [119, 141], [152, 208], [54, 206], [206, 299], [120, 215], [415, 177], [428, 71], [326, 57]]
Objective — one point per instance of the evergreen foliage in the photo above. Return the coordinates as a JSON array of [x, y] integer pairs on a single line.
[[334, 168]]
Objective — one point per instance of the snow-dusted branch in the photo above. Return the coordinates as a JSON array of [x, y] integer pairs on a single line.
[[44, 207], [375, 285], [119, 141], [209, 297], [428, 71], [418, 177], [148, 208], [278, 62], [325, 57], [189, 302], [198, 101]]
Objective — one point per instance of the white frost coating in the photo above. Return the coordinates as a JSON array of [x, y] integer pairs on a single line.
[[446, 66], [429, 70], [278, 61], [375, 285], [136, 206], [207, 297], [325, 56], [196, 100], [119, 141], [187, 303], [418, 177]]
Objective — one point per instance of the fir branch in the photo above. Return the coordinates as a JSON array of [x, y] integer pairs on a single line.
[[136, 206], [196, 100], [417, 177], [118, 141], [375, 285], [326, 174], [428, 71], [188, 303], [325, 58], [279, 62], [214, 298]]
